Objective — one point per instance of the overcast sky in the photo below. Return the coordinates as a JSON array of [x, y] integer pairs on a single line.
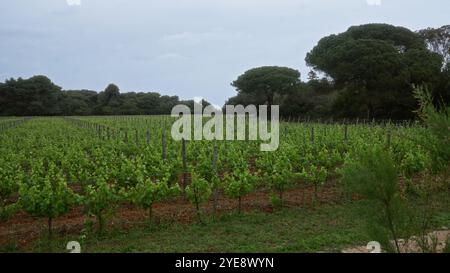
[[189, 48]]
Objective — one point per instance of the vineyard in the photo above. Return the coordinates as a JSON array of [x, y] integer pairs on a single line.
[[62, 173]]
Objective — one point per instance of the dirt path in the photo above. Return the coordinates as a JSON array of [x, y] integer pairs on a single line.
[[436, 239]]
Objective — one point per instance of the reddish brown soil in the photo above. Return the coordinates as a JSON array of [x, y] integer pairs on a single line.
[[23, 229]]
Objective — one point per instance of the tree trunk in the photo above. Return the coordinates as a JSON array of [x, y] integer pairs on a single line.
[[215, 189], [183, 156], [197, 206], [391, 226]]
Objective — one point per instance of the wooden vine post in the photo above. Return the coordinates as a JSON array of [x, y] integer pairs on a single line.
[[136, 136], [216, 176], [183, 156], [163, 144]]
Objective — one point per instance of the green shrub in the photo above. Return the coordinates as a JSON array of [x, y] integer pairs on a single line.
[[437, 121], [372, 174]]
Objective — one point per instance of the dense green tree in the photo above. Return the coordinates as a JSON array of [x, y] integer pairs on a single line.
[[312, 99], [148, 103], [77, 103], [375, 67], [39, 96], [34, 96], [245, 99], [109, 100], [267, 82]]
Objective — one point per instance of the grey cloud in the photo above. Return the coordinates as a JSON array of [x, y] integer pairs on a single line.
[[181, 47]]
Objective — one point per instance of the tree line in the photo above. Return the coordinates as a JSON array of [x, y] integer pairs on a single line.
[[367, 72], [38, 96]]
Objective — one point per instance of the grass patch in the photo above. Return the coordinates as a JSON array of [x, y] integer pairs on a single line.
[[326, 228]]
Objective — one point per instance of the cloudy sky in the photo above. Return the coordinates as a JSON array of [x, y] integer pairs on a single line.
[[190, 48]]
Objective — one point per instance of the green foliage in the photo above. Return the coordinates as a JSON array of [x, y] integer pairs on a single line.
[[374, 66], [7, 211], [393, 212], [279, 179], [267, 81], [107, 171], [316, 175], [34, 96], [438, 124], [238, 184], [198, 192], [9, 175], [148, 192], [47, 196], [415, 161], [38, 96], [427, 195], [129, 172], [99, 200], [373, 175]]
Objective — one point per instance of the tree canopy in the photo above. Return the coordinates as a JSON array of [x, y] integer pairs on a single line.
[[375, 67], [35, 96], [266, 82], [38, 96], [367, 71]]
